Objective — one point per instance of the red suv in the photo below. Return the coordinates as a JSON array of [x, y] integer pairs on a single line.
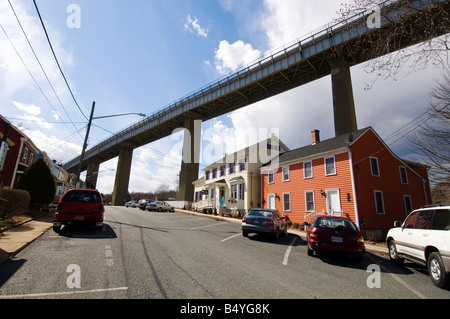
[[79, 206]]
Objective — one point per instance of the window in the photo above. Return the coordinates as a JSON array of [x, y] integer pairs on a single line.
[[222, 170], [441, 220], [231, 168], [213, 193], [424, 220], [403, 175], [408, 204], [233, 190], [307, 170], [309, 199], [207, 175], [379, 204], [241, 191], [242, 164], [411, 221], [374, 166], [271, 177], [214, 173], [286, 174], [287, 202], [330, 167]]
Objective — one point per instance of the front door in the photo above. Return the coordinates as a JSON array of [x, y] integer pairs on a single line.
[[222, 197], [271, 201], [333, 201]]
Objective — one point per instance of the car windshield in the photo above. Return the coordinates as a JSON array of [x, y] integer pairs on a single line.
[[335, 223], [82, 197], [261, 213]]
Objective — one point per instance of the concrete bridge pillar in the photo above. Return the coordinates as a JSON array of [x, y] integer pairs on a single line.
[[343, 102], [92, 174], [120, 192], [191, 159]]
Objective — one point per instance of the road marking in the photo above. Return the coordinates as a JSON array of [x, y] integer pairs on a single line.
[[230, 237], [288, 251], [399, 280], [206, 226], [63, 293], [109, 256]]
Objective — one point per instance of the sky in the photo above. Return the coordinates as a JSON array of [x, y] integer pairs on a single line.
[[139, 56]]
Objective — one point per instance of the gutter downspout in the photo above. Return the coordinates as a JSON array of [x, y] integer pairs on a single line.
[[355, 204]]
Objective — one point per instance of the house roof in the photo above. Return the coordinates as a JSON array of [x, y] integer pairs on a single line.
[[321, 147]]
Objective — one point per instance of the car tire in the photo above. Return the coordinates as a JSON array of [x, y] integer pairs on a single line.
[[57, 229], [160, 209], [245, 234], [310, 251], [393, 255], [285, 231], [276, 235], [436, 270]]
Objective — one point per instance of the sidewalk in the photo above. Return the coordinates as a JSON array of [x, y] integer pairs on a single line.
[[16, 238]]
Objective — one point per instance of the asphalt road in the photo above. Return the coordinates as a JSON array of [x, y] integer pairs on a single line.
[[156, 255]]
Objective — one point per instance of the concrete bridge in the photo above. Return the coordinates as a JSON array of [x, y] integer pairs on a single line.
[[331, 50]]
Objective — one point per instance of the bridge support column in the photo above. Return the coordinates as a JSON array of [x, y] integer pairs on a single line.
[[120, 192], [191, 159], [92, 175], [343, 102]]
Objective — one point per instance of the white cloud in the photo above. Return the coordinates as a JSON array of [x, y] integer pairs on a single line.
[[30, 108], [230, 57], [193, 26]]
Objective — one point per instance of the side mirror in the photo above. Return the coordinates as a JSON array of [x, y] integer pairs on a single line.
[[397, 224]]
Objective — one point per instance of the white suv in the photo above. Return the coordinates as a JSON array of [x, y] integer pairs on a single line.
[[424, 238]]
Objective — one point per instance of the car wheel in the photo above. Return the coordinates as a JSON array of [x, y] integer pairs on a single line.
[[393, 255], [160, 209], [245, 234], [57, 229], [310, 251], [276, 235], [436, 270], [285, 230]]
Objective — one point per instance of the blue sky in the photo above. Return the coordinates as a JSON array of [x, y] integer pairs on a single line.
[[141, 55]]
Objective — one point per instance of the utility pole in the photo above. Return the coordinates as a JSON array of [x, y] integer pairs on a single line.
[[85, 144]]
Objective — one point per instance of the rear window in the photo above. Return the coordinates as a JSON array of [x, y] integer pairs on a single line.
[[441, 219], [261, 213], [82, 197], [334, 223]]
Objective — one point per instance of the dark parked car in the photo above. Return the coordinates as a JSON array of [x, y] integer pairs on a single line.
[[143, 203], [79, 206], [265, 221], [334, 234]]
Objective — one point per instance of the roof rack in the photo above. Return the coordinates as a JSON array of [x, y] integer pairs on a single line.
[[436, 205]]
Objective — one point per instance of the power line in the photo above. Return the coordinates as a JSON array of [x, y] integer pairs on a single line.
[[39, 62], [56, 59]]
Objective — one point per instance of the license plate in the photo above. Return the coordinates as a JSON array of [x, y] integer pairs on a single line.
[[256, 222], [79, 217], [335, 239]]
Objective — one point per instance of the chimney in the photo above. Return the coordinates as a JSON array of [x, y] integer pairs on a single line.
[[315, 136]]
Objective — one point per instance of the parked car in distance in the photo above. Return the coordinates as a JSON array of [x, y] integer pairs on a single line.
[[143, 203], [159, 206], [264, 221], [79, 206], [424, 238], [334, 234], [132, 203]]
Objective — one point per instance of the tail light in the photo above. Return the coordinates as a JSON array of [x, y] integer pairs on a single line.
[[58, 208], [270, 223], [360, 241], [313, 236], [244, 220], [101, 210]]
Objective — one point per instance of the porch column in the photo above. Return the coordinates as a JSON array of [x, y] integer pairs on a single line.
[[343, 102], [120, 193], [191, 159]]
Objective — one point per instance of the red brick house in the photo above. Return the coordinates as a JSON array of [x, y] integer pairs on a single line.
[[355, 173]]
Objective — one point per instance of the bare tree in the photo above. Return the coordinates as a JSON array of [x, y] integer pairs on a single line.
[[432, 138], [420, 37]]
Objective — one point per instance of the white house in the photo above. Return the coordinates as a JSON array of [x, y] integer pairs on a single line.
[[232, 184]]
